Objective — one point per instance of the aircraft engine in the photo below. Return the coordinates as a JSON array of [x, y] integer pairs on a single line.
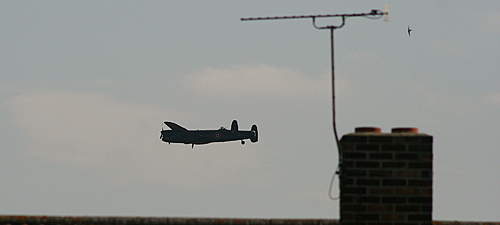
[[255, 138]]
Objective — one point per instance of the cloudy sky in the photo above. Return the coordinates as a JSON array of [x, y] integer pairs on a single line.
[[85, 86]]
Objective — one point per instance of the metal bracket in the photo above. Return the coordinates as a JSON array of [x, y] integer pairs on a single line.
[[329, 26]]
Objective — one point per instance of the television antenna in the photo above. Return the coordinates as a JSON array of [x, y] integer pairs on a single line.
[[373, 14]]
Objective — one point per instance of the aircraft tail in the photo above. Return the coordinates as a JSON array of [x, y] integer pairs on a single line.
[[234, 126], [255, 137]]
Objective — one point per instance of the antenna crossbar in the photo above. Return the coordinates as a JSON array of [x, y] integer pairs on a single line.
[[374, 12]]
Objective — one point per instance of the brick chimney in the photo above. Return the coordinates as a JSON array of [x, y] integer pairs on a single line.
[[386, 178]]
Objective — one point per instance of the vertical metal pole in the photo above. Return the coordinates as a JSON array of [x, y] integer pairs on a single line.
[[338, 171], [334, 121]]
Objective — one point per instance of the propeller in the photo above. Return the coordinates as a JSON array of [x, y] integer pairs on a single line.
[[387, 7], [161, 133]]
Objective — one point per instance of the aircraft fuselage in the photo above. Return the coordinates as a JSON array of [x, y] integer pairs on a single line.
[[199, 137]]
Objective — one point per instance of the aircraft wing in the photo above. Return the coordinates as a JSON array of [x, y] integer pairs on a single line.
[[175, 126]]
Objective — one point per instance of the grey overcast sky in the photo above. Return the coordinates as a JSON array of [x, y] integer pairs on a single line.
[[85, 86]]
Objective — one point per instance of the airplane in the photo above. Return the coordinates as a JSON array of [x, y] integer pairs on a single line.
[[179, 134]]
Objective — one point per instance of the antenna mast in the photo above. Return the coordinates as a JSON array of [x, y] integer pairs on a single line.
[[373, 14]]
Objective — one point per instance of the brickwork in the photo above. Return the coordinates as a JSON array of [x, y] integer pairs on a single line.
[[386, 178]]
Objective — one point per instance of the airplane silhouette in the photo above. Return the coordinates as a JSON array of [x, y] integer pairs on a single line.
[[179, 134]]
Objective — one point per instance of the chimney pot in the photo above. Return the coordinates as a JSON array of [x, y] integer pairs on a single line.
[[368, 130], [406, 130]]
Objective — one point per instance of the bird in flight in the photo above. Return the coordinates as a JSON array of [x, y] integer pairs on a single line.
[[409, 31]]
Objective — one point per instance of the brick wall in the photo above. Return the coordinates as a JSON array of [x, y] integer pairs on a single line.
[[386, 178]]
